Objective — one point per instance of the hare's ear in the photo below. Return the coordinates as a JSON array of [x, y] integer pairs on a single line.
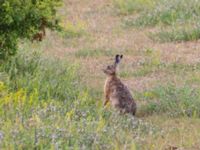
[[118, 58]]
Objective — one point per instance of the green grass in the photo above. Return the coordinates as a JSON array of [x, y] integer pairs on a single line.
[[94, 53], [42, 107], [177, 35], [172, 100], [52, 77], [144, 70], [171, 14], [194, 79], [141, 71], [73, 30], [125, 7], [152, 64], [45, 104], [49, 125]]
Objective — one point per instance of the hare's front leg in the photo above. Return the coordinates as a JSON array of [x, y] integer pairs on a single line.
[[106, 99], [106, 94]]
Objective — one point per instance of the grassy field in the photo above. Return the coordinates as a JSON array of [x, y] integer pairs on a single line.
[[51, 92]]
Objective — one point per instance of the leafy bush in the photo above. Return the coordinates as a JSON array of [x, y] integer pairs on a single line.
[[23, 19]]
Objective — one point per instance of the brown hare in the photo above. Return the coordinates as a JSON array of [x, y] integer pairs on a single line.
[[116, 92]]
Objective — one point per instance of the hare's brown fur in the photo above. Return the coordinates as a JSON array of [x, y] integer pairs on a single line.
[[116, 92]]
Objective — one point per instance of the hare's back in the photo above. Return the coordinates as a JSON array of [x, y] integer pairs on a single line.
[[121, 95], [126, 101], [124, 93]]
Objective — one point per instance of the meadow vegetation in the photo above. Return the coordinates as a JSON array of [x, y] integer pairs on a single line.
[[44, 106], [175, 20], [51, 92]]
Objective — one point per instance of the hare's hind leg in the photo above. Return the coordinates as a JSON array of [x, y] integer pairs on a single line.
[[131, 109], [134, 112], [134, 108]]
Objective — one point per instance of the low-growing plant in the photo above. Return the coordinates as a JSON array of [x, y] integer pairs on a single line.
[[73, 30], [150, 64], [53, 78], [172, 100], [168, 13], [129, 6], [94, 52], [43, 105], [177, 35], [30, 123], [179, 17]]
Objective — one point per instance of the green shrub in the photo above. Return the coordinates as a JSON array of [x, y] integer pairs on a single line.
[[23, 19]]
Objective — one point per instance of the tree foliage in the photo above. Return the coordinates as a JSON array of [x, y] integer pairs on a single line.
[[21, 19]]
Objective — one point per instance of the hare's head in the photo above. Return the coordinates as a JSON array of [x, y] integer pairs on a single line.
[[111, 69]]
